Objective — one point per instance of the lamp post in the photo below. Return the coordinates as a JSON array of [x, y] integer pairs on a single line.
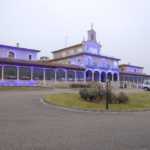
[[108, 93]]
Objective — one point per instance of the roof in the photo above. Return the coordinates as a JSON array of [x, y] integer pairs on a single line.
[[45, 64], [83, 53], [136, 74], [72, 46], [19, 48], [128, 65]]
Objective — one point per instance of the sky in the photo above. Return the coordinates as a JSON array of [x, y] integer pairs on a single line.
[[122, 26]]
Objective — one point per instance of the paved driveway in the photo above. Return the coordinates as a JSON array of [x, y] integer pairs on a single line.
[[27, 124]]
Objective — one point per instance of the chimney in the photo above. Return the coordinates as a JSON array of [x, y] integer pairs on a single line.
[[17, 44]]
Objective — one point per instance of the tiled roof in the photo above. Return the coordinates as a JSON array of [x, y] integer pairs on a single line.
[[72, 46], [136, 74], [19, 48], [38, 63], [83, 53], [128, 65]]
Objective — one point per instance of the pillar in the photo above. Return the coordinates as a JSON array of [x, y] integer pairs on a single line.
[[75, 76], [84, 76], [55, 75], [31, 68], [2, 72], [44, 81], [17, 72], [65, 75], [93, 76]]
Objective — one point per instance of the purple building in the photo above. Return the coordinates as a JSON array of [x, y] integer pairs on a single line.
[[82, 62]]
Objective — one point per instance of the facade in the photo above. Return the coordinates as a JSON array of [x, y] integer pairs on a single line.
[[12, 52], [88, 55], [82, 62]]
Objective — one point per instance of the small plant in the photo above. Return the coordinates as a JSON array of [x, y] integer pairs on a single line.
[[79, 85], [122, 98], [92, 94], [84, 93]]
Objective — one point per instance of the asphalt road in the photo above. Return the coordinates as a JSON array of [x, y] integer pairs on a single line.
[[28, 124]]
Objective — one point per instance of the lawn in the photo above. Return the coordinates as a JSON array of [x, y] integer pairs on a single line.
[[137, 101], [19, 88]]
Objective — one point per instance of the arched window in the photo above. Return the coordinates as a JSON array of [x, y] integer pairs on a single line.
[[96, 76], [70, 75], [50, 74], [115, 77], [30, 57], [60, 73], [103, 77], [88, 75], [109, 76], [11, 55]]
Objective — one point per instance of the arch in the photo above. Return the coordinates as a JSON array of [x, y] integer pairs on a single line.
[[60, 75], [11, 55], [24, 73], [88, 75], [115, 77], [96, 76], [103, 77], [70, 75], [50, 74], [10, 72], [109, 76]]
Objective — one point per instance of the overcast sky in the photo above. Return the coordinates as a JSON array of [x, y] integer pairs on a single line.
[[122, 26]]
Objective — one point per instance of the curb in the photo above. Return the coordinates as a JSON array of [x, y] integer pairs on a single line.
[[89, 110]]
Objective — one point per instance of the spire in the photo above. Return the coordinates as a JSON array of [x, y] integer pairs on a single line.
[[92, 34], [92, 25]]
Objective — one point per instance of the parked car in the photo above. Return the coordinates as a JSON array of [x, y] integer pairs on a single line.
[[146, 85]]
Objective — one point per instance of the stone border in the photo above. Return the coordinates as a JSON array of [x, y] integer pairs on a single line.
[[43, 100]]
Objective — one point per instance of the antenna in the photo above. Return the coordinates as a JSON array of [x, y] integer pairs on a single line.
[[17, 44], [92, 25], [66, 40]]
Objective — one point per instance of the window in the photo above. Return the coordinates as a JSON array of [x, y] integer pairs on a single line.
[[30, 57], [10, 72], [11, 55]]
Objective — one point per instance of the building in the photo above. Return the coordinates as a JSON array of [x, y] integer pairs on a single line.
[[82, 62], [88, 55]]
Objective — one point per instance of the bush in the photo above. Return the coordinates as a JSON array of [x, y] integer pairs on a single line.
[[92, 94], [98, 93], [84, 93], [89, 94], [122, 98], [113, 99], [79, 85]]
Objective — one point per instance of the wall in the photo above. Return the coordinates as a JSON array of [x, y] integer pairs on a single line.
[[19, 54], [131, 69], [68, 52]]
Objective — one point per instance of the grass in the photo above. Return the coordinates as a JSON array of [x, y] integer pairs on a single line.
[[137, 101], [19, 88]]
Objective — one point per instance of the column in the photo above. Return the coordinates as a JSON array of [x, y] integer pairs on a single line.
[[2, 72], [55, 74], [31, 68], [75, 76], [44, 81], [17, 72], [93, 76], [65, 75], [99, 77], [84, 76]]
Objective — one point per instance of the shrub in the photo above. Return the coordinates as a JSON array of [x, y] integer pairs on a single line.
[[114, 99], [92, 94], [84, 93], [122, 98], [89, 94], [79, 85]]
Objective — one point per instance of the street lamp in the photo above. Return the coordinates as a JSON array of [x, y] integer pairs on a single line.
[[108, 93]]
